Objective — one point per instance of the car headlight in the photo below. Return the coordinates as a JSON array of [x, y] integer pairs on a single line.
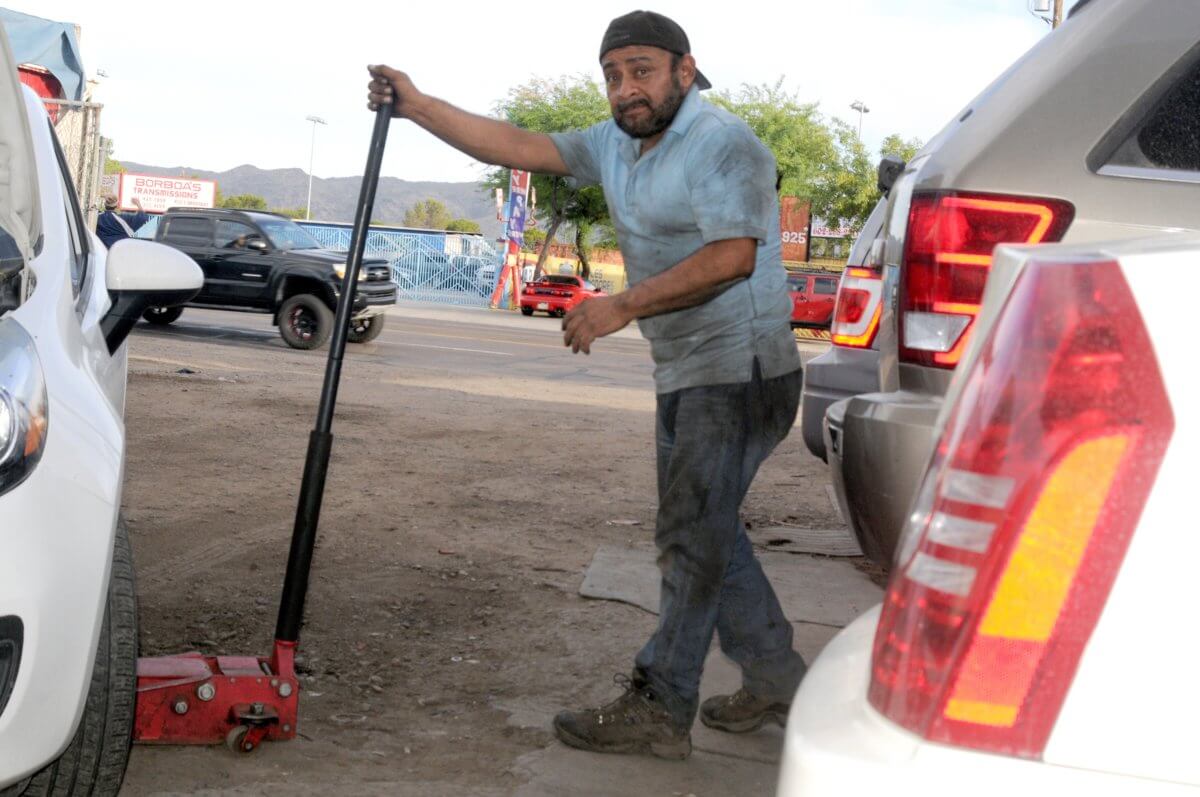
[[23, 406], [340, 270]]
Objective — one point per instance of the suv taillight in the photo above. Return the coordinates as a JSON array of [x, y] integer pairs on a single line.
[[859, 304], [947, 254], [1024, 515]]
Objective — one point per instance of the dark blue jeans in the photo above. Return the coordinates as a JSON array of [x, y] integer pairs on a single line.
[[711, 441]]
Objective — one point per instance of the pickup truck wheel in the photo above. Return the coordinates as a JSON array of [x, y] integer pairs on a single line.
[[365, 330], [305, 321], [162, 315], [94, 762]]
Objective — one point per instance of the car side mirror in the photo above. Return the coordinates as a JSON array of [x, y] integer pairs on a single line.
[[890, 169], [257, 244], [141, 275]]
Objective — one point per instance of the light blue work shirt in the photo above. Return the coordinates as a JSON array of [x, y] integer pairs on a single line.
[[708, 179]]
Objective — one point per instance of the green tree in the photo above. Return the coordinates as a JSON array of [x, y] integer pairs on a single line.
[[113, 166], [552, 106], [242, 202], [464, 225], [904, 150], [533, 239], [854, 187], [428, 214], [291, 213], [851, 191]]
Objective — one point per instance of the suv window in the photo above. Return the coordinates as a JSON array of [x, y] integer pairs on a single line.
[[234, 235], [826, 286], [188, 229], [1167, 137]]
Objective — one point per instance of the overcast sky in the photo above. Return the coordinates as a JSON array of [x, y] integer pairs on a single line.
[[219, 84]]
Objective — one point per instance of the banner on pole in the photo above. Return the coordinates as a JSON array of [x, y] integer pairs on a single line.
[[508, 285]]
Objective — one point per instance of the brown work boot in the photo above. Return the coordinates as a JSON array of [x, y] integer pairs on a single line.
[[633, 723], [741, 712]]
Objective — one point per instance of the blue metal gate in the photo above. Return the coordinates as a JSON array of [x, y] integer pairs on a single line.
[[429, 266]]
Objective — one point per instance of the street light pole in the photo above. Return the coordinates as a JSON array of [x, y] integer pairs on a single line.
[[860, 106], [1058, 13], [316, 120]]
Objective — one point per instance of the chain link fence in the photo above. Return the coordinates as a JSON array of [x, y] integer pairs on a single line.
[[77, 125]]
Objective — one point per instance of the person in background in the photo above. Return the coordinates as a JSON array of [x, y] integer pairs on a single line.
[[113, 226]]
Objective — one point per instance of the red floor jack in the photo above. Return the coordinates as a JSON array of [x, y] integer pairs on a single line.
[[242, 700]]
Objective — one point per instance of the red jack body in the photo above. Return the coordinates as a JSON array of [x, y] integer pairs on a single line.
[[239, 700]]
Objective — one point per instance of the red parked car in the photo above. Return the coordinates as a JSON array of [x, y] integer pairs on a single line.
[[557, 294], [812, 299]]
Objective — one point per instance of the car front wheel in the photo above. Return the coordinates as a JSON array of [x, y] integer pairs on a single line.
[[305, 321], [94, 762], [365, 330], [162, 315]]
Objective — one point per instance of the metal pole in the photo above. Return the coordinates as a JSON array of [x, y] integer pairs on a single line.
[[312, 150], [320, 440], [1058, 13], [316, 120]]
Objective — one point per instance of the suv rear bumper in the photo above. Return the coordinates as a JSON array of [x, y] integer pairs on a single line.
[[838, 374], [879, 446]]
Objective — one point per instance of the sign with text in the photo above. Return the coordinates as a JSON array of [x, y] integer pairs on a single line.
[[793, 228], [159, 193]]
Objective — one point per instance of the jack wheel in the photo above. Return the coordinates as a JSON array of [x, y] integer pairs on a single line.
[[236, 740]]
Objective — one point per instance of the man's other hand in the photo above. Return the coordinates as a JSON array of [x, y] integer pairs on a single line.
[[593, 319], [391, 85]]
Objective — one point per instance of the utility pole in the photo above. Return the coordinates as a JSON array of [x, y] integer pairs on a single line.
[[1058, 13], [860, 106], [316, 120]]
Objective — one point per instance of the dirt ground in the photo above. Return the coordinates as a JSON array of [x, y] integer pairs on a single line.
[[453, 540]]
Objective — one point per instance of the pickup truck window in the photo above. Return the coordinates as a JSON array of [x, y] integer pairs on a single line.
[[288, 235], [234, 235], [188, 230]]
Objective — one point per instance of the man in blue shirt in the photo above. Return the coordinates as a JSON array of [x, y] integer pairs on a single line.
[[691, 193], [112, 226]]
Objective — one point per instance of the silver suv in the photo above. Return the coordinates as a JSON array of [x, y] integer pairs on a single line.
[[1093, 135]]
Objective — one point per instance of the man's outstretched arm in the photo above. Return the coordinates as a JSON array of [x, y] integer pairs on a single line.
[[487, 140]]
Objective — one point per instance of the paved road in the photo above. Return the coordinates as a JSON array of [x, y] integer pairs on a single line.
[[430, 338]]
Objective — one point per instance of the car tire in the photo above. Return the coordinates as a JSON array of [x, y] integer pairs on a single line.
[[365, 330], [526, 311], [161, 316], [305, 321], [94, 762]]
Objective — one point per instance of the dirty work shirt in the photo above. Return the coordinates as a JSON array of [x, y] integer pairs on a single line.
[[708, 179]]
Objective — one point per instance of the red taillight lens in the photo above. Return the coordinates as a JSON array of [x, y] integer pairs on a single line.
[[1024, 515], [947, 253], [859, 304]]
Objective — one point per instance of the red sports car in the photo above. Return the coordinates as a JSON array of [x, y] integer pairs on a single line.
[[557, 294]]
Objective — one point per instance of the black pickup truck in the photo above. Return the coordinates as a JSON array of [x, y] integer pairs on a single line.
[[266, 263]]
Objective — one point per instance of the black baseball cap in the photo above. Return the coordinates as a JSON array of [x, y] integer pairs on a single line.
[[649, 29]]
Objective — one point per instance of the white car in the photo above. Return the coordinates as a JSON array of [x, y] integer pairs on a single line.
[[1037, 635], [68, 629]]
